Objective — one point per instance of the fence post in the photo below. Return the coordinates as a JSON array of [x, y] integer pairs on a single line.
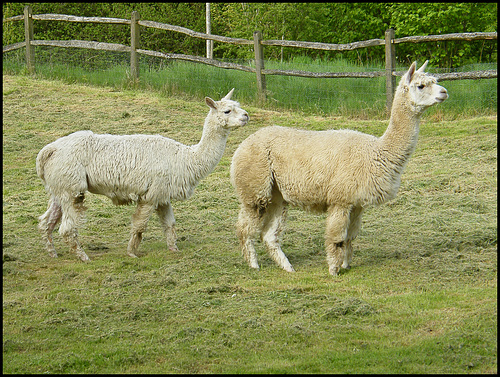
[[210, 43], [28, 36], [134, 45], [390, 67], [259, 65]]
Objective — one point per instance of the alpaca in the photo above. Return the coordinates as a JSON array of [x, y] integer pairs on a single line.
[[150, 170], [339, 172]]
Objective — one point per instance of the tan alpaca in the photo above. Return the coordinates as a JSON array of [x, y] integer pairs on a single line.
[[340, 172]]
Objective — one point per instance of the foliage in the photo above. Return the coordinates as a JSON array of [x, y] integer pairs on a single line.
[[444, 18], [347, 23], [189, 15], [318, 22], [420, 298]]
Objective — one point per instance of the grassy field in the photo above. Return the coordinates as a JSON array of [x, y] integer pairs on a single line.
[[421, 296]]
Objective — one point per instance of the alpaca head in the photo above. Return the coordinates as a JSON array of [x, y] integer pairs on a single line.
[[227, 113], [422, 89]]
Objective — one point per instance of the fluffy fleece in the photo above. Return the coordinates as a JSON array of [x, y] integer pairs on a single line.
[[150, 170]]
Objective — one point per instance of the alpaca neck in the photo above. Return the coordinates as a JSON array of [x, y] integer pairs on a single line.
[[400, 138], [208, 152]]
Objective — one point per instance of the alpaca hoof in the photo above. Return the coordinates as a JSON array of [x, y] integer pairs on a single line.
[[132, 255], [173, 248], [334, 271], [52, 254], [84, 257], [289, 269], [255, 266]]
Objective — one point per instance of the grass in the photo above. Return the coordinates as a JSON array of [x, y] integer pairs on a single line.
[[363, 98], [421, 296]]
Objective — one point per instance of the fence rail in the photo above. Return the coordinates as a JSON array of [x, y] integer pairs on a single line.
[[258, 43]]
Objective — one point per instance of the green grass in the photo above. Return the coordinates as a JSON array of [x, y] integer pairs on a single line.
[[421, 296], [362, 98]]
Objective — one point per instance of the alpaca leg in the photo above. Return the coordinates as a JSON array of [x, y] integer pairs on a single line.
[[166, 214], [347, 255], [47, 222], [274, 221], [337, 224], [73, 211], [139, 222], [352, 233], [247, 226]]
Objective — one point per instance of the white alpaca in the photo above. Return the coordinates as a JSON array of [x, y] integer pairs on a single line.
[[340, 172], [148, 169]]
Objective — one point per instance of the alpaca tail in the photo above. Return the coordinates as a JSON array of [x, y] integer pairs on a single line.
[[41, 159]]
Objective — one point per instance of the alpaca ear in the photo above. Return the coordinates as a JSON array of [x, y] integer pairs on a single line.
[[210, 102], [422, 69], [411, 71], [228, 95]]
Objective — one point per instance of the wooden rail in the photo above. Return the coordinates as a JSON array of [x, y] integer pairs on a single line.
[[134, 49]]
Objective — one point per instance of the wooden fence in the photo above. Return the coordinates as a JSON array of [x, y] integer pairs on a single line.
[[258, 44]]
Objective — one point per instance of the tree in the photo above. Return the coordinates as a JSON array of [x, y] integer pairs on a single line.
[[316, 22], [442, 18]]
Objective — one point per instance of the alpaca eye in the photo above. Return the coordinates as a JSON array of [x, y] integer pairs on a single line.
[[227, 111], [421, 86]]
